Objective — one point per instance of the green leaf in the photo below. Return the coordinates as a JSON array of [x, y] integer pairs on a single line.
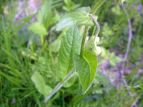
[[70, 5], [142, 2], [55, 45], [70, 47], [97, 5], [47, 15], [38, 28], [40, 84], [14, 80], [81, 18], [65, 22], [83, 70], [86, 67], [92, 61]]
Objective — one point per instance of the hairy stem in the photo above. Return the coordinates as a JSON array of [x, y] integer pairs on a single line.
[[59, 85]]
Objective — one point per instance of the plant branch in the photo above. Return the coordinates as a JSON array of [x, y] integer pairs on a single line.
[[83, 39], [94, 19], [130, 35], [59, 85]]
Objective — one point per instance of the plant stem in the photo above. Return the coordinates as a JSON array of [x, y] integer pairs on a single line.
[[94, 19], [59, 86], [83, 40], [130, 35]]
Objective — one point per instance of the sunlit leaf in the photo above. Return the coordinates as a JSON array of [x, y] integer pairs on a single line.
[[38, 28], [64, 23], [40, 84], [79, 17], [92, 61]]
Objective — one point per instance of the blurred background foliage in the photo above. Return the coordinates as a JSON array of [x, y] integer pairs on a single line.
[[26, 27]]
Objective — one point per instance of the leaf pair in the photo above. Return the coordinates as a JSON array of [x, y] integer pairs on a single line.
[[69, 57]]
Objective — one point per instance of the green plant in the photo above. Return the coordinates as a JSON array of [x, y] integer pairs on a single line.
[[70, 60], [48, 59]]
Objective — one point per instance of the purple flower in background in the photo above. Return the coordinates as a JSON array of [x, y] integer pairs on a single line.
[[26, 8], [34, 5], [111, 73], [114, 74], [139, 9], [20, 13], [139, 73], [105, 65]]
